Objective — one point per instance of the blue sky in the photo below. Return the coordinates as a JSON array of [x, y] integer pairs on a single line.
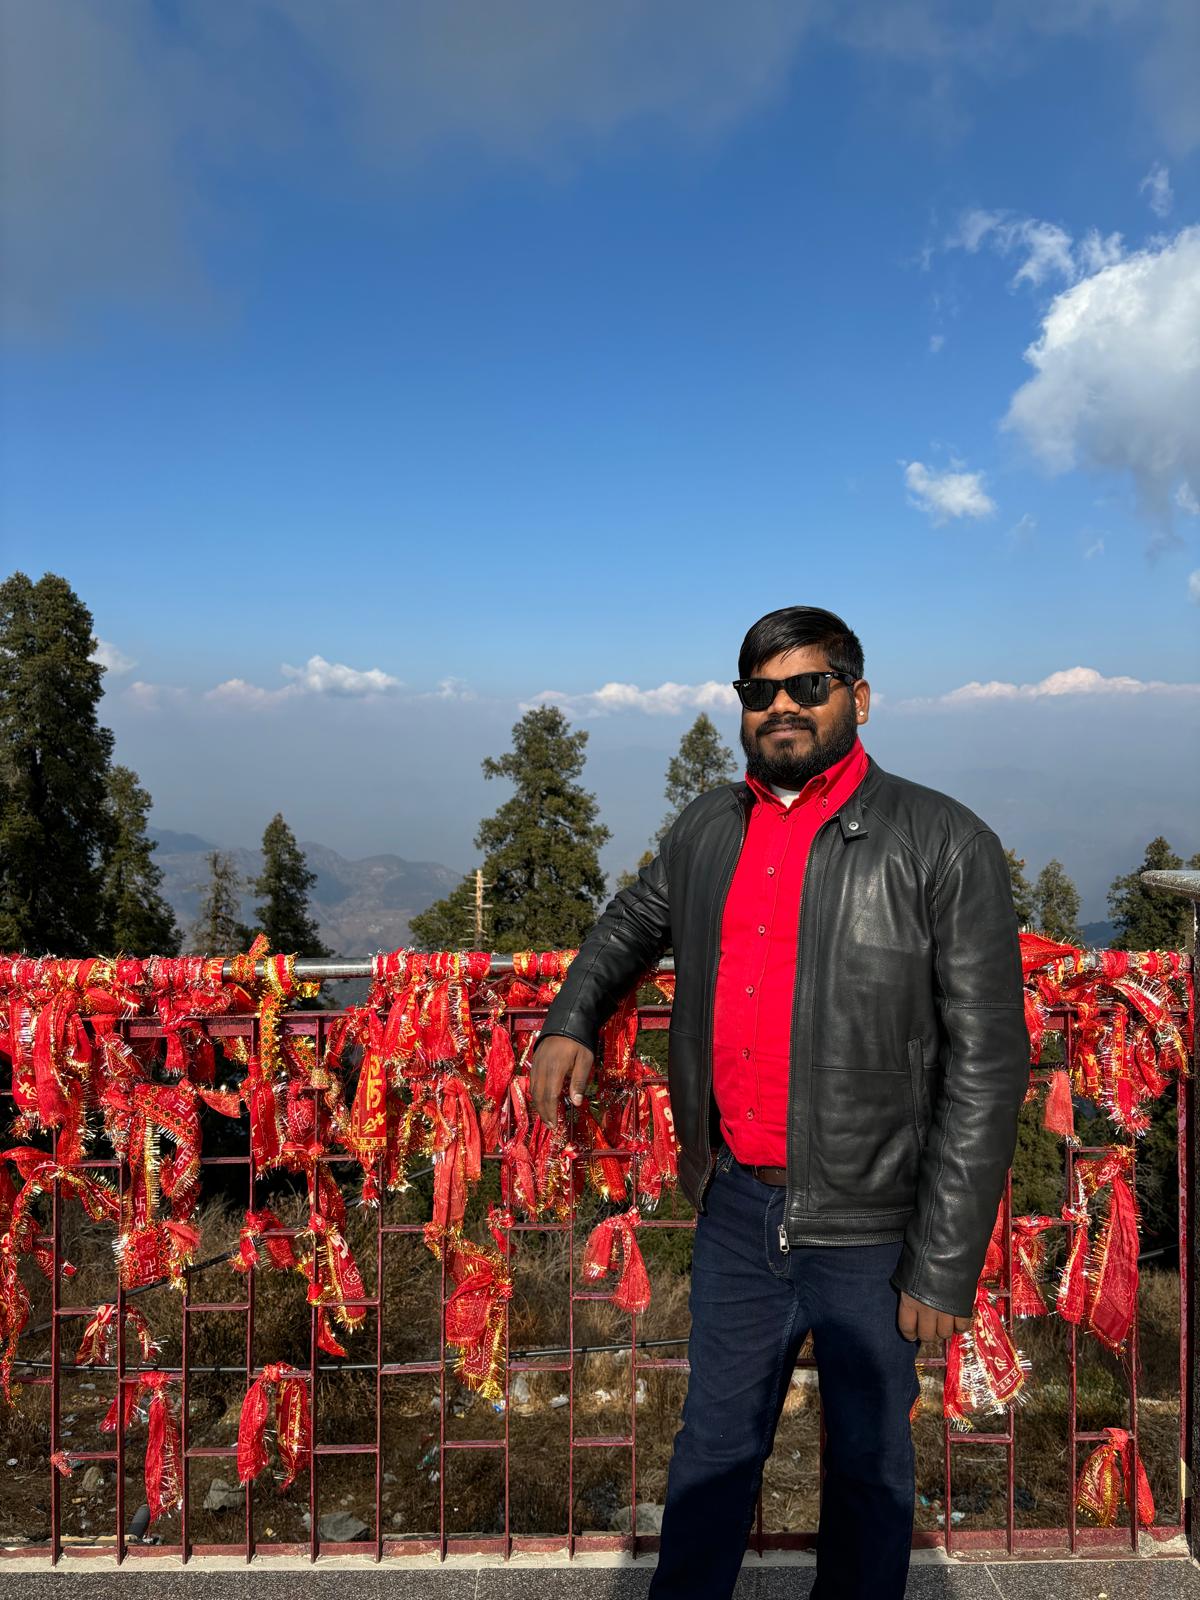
[[453, 355]]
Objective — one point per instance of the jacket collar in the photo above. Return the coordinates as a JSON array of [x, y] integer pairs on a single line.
[[852, 816]]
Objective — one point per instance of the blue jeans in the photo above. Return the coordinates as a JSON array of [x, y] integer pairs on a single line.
[[752, 1306]]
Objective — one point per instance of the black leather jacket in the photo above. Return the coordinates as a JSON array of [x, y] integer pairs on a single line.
[[909, 1053]]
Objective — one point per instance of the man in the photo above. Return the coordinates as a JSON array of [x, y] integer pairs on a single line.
[[847, 1059]]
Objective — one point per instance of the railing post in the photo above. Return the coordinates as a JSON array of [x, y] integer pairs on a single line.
[[1188, 885]]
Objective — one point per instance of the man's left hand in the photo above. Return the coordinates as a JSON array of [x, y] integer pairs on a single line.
[[926, 1322]]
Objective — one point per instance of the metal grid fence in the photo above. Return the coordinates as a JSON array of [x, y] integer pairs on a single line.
[[642, 1360]]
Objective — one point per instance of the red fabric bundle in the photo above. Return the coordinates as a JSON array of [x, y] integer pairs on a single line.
[[164, 1450], [984, 1370], [1060, 1108], [287, 1388], [1029, 1257], [475, 1309], [613, 1242], [1107, 1474]]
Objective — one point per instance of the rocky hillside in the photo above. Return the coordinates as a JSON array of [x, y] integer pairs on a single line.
[[362, 906]]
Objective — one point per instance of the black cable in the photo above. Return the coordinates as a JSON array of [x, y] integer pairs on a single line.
[[371, 1366]]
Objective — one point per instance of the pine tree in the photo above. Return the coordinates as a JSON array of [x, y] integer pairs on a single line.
[[54, 760], [1022, 893], [702, 762], [449, 923], [218, 929], [138, 920], [1145, 918], [1056, 904], [282, 888], [540, 847], [626, 880]]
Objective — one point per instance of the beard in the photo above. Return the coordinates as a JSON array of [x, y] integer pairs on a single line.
[[792, 769]]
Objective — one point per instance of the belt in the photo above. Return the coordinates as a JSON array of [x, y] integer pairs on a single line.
[[775, 1176]]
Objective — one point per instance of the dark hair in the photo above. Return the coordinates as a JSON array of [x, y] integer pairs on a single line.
[[794, 628]]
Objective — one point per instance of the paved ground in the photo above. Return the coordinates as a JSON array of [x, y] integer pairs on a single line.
[[771, 1579]]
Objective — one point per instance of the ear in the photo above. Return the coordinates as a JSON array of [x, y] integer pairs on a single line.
[[862, 701]]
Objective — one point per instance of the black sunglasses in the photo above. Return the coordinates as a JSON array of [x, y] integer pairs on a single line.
[[804, 688]]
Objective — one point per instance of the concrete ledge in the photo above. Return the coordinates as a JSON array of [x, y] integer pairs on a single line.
[[775, 1577]]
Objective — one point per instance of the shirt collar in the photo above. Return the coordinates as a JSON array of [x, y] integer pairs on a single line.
[[841, 771]]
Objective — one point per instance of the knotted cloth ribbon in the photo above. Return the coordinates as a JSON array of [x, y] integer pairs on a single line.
[[613, 1242], [1107, 1474], [984, 1370], [164, 1449], [287, 1388]]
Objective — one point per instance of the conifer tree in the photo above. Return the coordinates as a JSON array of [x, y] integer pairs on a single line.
[[449, 923], [138, 920], [1056, 904], [1022, 893], [1145, 918], [540, 848], [702, 762], [283, 888], [54, 759], [626, 880], [218, 929]]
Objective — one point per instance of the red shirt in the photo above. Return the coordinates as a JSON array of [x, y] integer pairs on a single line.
[[760, 930]]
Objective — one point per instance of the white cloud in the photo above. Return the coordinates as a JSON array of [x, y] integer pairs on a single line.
[[237, 692], [1096, 548], [936, 341], [451, 689], [153, 696], [1046, 250], [1023, 528], [112, 658], [1117, 374], [1070, 681], [668, 700], [1156, 186], [1185, 499], [318, 676], [946, 494], [1194, 587]]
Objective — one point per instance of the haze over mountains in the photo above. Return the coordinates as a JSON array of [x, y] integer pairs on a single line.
[[362, 906]]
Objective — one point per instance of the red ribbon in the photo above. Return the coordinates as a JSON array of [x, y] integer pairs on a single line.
[[287, 1388], [164, 1449], [984, 1369], [1108, 1474], [613, 1243]]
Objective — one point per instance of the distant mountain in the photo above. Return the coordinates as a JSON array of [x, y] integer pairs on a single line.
[[361, 906], [1098, 935]]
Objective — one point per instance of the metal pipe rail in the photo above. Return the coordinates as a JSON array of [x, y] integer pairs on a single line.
[[311, 968]]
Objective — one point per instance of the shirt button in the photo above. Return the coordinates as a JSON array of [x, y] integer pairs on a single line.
[[749, 1116], [746, 1054], [761, 928], [770, 872], [749, 988]]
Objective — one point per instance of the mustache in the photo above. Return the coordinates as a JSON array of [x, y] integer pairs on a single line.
[[777, 723]]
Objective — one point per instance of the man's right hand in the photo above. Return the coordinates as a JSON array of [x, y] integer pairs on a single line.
[[555, 1060]]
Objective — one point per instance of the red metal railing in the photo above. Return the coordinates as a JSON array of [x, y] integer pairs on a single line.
[[50, 1374]]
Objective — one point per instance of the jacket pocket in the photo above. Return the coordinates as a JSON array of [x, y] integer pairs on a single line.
[[865, 1146], [920, 1086]]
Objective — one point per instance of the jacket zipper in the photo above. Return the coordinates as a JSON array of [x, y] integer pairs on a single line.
[[784, 1245], [722, 896]]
